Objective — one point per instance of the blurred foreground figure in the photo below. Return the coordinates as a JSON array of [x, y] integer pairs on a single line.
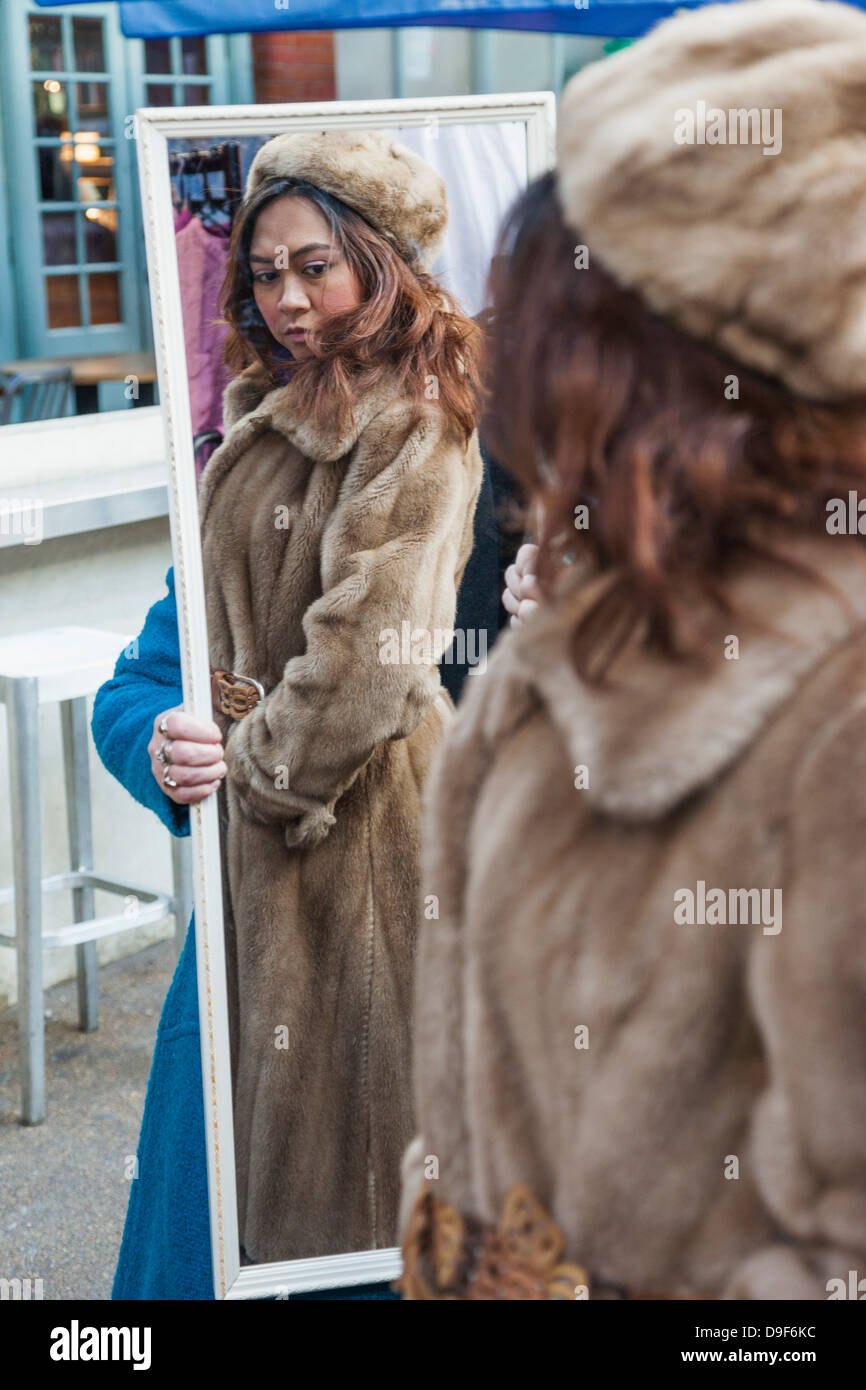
[[640, 1042]]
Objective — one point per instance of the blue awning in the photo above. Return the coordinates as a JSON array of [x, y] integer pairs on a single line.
[[148, 19]]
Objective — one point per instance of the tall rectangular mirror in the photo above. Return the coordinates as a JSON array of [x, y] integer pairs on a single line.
[[306, 914]]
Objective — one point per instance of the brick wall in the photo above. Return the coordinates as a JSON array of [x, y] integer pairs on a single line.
[[294, 67]]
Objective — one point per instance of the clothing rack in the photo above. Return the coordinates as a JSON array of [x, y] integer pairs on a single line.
[[195, 164], [224, 159]]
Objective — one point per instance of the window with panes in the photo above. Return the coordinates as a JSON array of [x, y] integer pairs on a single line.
[[176, 72], [75, 149], [73, 279]]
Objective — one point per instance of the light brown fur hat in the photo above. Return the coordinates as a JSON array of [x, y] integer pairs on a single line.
[[397, 191], [763, 255]]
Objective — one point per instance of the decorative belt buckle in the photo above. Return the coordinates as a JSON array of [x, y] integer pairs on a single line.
[[229, 699], [450, 1255]]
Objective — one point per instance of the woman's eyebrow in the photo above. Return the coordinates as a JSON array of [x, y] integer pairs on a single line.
[[311, 246]]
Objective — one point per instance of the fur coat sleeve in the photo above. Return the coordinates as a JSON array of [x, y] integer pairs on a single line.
[[390, 564], [808, 987]]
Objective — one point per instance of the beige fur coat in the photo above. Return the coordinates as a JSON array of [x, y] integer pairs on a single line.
[[314, 542], [688, 1101]]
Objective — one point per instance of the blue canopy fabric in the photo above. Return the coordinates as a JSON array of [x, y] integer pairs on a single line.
[[150, 19]]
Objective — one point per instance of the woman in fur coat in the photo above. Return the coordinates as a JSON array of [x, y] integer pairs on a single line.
[[336, 514], [640, 1040]]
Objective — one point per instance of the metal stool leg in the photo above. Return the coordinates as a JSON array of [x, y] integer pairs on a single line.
[[181, 862], [73, 717], [22, 706]]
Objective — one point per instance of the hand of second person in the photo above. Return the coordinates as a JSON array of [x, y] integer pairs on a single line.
[[522, 595], [194, 756]]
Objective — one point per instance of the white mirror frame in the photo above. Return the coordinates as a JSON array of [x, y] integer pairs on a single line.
[[154, 127]]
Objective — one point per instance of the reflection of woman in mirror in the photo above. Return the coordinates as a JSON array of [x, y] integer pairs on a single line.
[[336, 523]]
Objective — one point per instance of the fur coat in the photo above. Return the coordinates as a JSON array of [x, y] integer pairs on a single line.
[[316, 542], [683, 1089]]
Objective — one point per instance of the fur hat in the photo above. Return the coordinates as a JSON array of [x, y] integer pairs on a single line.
[[397, 191], [758, 248]]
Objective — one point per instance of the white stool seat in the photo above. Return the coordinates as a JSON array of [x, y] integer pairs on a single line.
[[68, 662]]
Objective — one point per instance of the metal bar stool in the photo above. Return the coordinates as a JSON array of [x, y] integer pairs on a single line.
[[64, 665]]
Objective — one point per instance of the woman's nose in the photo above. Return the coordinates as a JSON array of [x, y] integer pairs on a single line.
[[293, 295]]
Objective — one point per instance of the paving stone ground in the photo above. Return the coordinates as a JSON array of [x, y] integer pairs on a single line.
[[63, 1184]]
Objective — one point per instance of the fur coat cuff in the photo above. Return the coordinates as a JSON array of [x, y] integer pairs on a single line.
[[265, 799]]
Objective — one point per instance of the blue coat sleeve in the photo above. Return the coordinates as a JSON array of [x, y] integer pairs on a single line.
[[146, 680]]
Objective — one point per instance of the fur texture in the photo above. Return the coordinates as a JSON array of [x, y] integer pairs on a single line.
[[397, 191], [705, 1042], [314, 541], [762, 254]]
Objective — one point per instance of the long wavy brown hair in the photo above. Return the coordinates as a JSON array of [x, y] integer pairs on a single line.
[[405, 320], [597, 402]]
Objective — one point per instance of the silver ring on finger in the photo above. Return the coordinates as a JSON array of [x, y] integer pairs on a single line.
[[169, 781], [162, 726], [163, 753]]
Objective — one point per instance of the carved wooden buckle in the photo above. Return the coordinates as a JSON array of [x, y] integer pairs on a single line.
[[234, 695]]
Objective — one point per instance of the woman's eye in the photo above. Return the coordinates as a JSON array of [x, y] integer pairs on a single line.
[[317, 267], [264, 277]]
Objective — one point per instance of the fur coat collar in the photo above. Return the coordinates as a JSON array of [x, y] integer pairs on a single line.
[[657, 731], [253, 406], [251, 393]]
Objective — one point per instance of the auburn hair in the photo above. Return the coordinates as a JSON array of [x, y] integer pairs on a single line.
[[673, 448], [404, 320]]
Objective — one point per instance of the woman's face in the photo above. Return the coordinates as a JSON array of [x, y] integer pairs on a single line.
[[299, 275]]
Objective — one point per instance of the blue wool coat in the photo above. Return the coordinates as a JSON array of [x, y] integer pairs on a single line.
[[165, 1252]]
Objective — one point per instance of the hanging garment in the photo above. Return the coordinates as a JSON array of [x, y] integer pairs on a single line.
[[202, 257], [182, 217]]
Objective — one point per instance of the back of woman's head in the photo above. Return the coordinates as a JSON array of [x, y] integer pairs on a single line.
[[404, 321], [645, 451]]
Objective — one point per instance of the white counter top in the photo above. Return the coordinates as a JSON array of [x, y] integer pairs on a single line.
[[81, 473]]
